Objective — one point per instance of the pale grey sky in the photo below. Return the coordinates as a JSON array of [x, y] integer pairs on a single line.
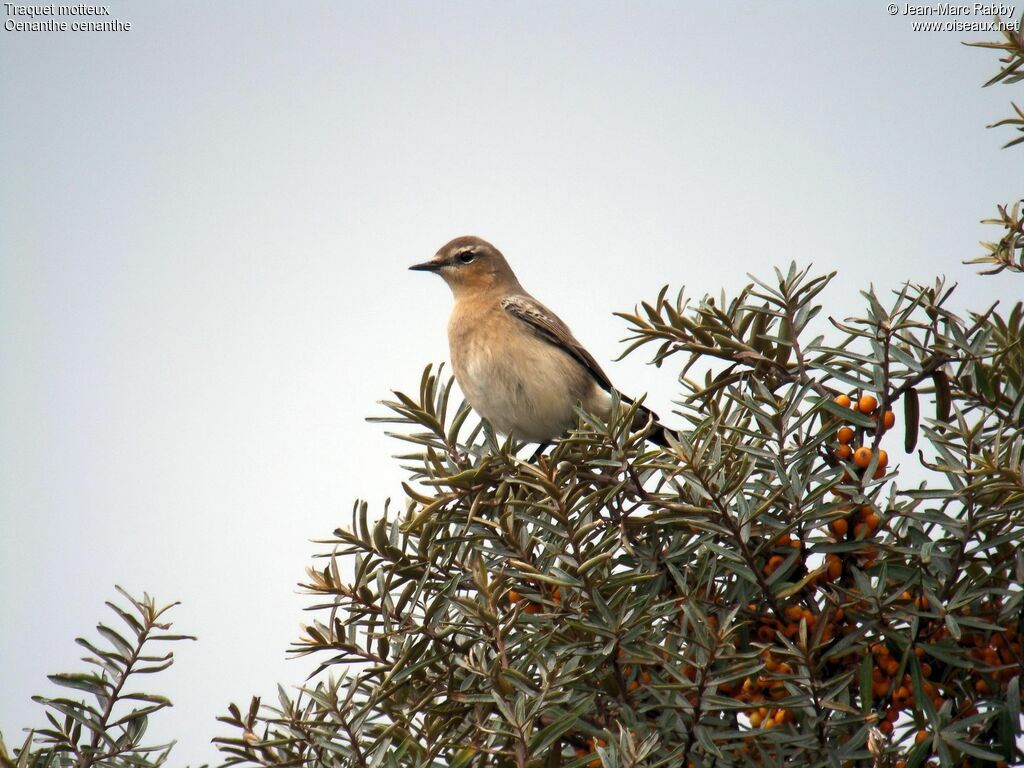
[[207, 219]]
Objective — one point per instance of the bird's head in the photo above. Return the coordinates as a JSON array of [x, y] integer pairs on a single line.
[[469, 264]]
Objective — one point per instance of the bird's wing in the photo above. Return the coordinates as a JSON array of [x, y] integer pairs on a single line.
[[549, 327]]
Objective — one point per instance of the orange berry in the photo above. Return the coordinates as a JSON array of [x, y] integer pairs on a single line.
[[773, 562], [833, 567], [532, 608], [844, 452], [888, 419], [885, 727], [867, 404], [839, 527], [844, 401], [883, 459], [755, 720], [872, 521], [845, 435], [862, 456], [922, 735], [513, 596]]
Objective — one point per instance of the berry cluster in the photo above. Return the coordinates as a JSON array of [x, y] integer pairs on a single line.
[[552, 595], [862, 455]]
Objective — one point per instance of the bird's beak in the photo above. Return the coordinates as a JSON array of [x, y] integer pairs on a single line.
[[426, 266]]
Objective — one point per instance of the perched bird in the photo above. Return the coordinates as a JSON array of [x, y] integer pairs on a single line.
[[517, 363]]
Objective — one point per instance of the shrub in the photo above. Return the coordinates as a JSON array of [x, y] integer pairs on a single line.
[[107, 727], [741, 597]]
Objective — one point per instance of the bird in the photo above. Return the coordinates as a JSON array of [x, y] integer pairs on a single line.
[[517, 364]]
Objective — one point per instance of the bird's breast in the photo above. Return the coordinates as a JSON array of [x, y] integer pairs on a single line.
[[521, 383]]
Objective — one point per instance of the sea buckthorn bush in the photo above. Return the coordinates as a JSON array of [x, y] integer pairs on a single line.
[[749, 595]]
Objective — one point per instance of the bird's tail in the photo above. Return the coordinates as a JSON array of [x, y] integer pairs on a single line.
[[656, 431]]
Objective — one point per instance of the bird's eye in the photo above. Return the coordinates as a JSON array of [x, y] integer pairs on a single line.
[[467, 257]]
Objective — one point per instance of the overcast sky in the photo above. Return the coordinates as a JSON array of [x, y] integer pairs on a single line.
[[206, 222]]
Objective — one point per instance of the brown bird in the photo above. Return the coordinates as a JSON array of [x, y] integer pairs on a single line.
[[517, 363]]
